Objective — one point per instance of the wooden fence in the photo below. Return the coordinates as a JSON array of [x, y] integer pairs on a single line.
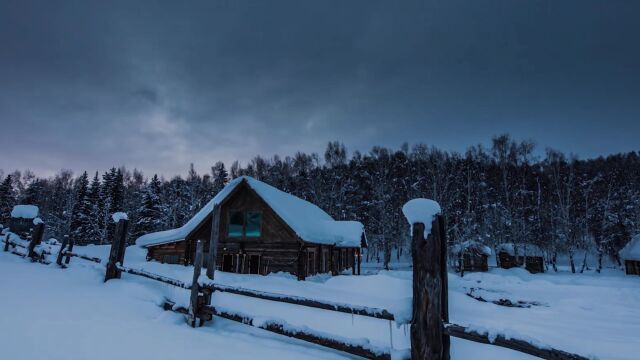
[[430, 327]]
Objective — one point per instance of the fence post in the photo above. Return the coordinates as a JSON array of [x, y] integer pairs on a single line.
[[65, 242], [69, 250], [7, 241], [117, 250], [195, 288], [36, 238], [213, 242], [429, 295]]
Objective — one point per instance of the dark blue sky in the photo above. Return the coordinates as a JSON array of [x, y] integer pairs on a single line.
[[157, 85]]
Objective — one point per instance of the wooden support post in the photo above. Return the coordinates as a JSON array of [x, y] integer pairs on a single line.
[[213, 242], [65, 242], [7, 241], [427, 335], [302, 259], [331, 263], [70, 249], [195, 287], [359, 259], [353, 263], [117, 250], [36, 238], [446, 340]]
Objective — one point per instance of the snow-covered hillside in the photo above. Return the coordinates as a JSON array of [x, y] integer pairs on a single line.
[[53, 313]]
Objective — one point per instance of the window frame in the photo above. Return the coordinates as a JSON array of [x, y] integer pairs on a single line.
[[245, 217]]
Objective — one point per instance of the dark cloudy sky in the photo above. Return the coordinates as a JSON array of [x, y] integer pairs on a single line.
[[157, 85]]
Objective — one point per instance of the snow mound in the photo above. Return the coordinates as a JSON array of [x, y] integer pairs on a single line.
[[631, 251], [421, 211], [25, 211], [119, 216], [307, 220]]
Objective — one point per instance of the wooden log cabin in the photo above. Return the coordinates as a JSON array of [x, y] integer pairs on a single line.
[[515, 255], [471, 256], [630, 254], [263, 230]]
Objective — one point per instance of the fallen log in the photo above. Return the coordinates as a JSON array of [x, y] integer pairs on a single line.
[[282, 328], [344, 308], [510, 343]]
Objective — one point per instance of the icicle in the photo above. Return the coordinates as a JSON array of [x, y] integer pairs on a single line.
[[390, 335]]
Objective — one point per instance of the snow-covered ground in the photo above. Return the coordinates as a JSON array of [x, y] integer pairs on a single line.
[[52, 313]]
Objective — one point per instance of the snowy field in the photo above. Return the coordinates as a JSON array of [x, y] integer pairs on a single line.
[[52, 313]]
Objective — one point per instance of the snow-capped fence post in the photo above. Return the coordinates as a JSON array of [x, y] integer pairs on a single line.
[[116, 255], [195, 287], [428, 250], [213, 242], [36, 238]]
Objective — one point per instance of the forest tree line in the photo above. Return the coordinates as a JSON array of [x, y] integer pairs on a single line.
[[503, 193]]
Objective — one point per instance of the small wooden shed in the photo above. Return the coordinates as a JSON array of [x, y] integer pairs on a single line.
[[516, 255], [471, 256], [630, 254], [263, 230], [23, 220]]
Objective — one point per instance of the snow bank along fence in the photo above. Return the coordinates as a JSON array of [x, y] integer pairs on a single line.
[[32, 249], [430, 328]]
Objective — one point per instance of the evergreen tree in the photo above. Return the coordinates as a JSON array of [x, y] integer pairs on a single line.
[[7, 200], [150, 210], [80, 212]]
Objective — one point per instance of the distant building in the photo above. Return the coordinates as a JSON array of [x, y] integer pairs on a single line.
[[471, 256], [23, 220], [515, 255], [263, 230], [630, 254]]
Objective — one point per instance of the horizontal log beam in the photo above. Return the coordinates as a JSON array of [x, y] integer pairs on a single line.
[[509, 343], [152, 276], [282, 329], [344, 308], [80, 256]]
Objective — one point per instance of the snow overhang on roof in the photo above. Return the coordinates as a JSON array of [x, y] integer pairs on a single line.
[[307, 220], [522, 249], [631, 251]]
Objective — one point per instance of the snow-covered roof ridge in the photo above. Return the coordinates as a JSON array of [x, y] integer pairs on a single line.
[[631, 251], [307, 220], [25, 211], [472, 245], [522, 249]]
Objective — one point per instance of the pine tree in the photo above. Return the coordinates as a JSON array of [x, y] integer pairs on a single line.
[[79, 212], [150, 210], [220, 177], [7, 200]]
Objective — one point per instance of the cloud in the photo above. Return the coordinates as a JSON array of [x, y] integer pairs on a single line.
[[89, 85]]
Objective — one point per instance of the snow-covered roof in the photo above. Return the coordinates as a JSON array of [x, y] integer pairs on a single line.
[[631, 251], [471, 245], [25, 211], [119, 216], [307, 220], [522, 249]]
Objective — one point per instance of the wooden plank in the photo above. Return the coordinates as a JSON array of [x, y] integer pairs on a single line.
[[510, 343], [153, 276]]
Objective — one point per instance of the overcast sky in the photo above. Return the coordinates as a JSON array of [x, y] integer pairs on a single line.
[[156, 85]]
